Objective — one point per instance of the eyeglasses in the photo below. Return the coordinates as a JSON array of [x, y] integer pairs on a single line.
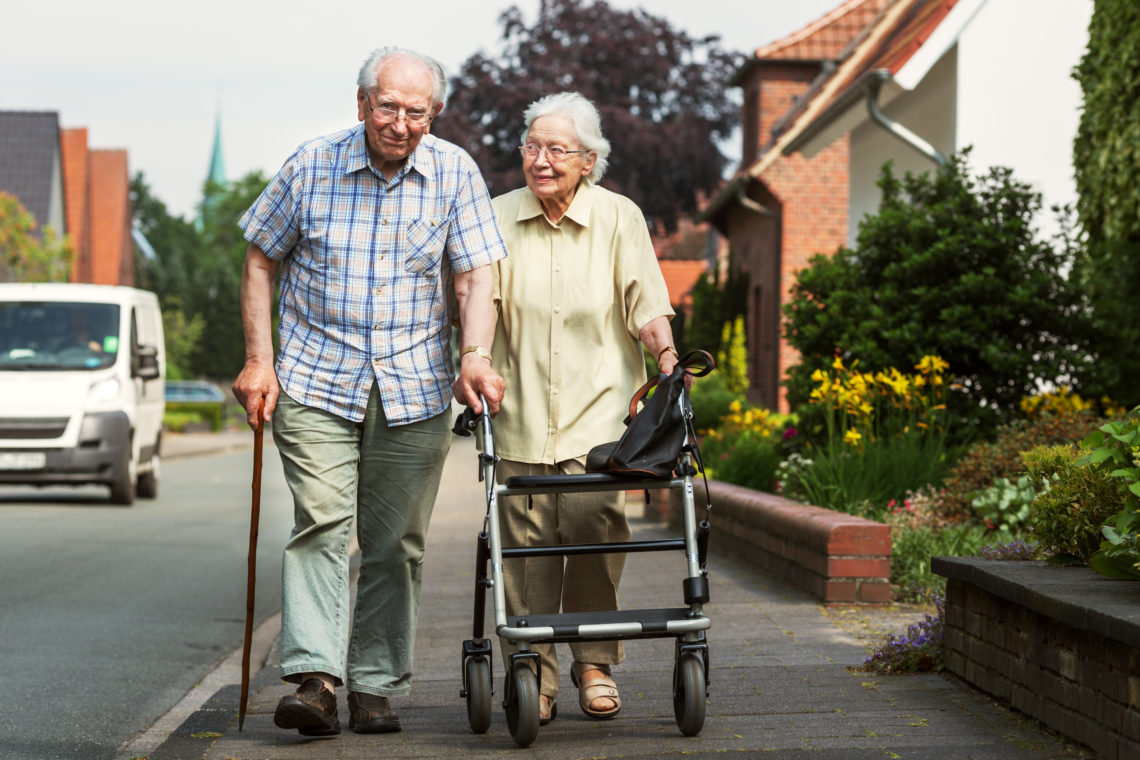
[[555, 154], [386, 114]]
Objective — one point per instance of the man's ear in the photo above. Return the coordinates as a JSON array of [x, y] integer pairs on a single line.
[[361, 100]]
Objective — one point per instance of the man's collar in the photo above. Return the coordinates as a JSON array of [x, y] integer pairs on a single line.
[[422, 158]]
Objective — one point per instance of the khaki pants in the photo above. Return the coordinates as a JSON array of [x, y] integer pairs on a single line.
[[586, 583]]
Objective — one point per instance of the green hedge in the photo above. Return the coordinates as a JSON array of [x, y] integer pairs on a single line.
[[181, 413]]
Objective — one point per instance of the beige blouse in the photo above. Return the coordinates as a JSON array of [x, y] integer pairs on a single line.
[[571, 299]]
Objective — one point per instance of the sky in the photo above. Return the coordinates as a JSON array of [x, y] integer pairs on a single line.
[[151, 76]]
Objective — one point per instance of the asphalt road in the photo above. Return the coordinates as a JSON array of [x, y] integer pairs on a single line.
[[109, 615]]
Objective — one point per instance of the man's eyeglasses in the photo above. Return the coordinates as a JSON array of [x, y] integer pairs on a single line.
[[555, 154], [386, 114]]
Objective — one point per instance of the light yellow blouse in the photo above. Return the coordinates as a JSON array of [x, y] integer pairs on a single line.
[[571, 299]]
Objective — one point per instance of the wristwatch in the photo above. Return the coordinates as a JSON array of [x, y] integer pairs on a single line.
[[479, 350]]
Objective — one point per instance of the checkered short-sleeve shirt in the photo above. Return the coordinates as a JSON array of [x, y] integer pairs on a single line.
[[366, 290]]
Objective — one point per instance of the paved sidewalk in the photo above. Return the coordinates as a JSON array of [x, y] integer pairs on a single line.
[[781, 684]]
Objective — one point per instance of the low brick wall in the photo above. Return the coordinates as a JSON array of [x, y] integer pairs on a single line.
[[837, 557], [1061, 645]]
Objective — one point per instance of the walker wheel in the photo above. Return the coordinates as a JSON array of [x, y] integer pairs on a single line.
[[689, 693], [478, 678], [522, 704]]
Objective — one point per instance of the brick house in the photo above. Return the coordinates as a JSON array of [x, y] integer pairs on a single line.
[[909, 81], [79, 192]]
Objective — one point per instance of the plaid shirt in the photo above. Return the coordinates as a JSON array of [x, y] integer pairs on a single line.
[[366, 284]]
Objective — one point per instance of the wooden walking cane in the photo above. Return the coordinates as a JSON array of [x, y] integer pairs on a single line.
[[251, 577]]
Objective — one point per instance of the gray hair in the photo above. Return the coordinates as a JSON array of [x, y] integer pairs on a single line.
[[366, 79], [587, 125]]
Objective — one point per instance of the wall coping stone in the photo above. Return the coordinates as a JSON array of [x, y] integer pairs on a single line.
[[1076, 596]]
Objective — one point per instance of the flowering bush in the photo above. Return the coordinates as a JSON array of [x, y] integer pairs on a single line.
[[1010, 551], [984, 463], [886, 434], [918, 650], [745, 448]]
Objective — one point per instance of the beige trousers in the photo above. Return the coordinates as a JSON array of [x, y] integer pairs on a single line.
[[585, 583]]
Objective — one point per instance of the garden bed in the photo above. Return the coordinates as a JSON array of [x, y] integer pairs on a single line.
[[1060, 644]]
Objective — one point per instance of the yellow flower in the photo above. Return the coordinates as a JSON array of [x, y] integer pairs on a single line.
[[818, 376], [734, 407], [852, 437], [838, 364]]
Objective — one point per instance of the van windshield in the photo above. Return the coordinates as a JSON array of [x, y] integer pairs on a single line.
[[50, 335]]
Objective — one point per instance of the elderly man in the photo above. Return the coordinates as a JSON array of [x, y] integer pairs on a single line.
[[374, 229]]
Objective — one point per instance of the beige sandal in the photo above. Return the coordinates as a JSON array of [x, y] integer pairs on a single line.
[[551, 709], [589, 690]]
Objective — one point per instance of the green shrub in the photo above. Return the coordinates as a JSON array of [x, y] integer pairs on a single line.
[[1071, 504], [950, 265], [745, 447], [179, 414], [1005, 504], [711, 400], [1114, 450], [983, 464], [911, 550]]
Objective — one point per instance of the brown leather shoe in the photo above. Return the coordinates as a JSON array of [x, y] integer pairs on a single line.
[[371, 714], [311, 710]]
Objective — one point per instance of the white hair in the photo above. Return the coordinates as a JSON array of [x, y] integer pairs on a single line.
[[587, 125], [366, 79]]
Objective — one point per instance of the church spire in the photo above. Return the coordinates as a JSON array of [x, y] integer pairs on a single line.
[[217, 173], [216, 182]]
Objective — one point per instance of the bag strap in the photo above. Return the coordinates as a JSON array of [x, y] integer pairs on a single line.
[[703, 360]]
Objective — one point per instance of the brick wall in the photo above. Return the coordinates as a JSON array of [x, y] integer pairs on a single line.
[[1061, 659], [839, 558]]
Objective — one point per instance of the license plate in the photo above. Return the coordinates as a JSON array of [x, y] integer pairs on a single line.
[[23, 460]]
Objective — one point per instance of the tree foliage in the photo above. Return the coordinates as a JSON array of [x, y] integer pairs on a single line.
[[948, 266], [1106, 163], [662, 95], [197, 275], [25, 256]]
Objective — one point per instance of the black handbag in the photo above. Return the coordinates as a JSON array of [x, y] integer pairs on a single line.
[[652, 441]]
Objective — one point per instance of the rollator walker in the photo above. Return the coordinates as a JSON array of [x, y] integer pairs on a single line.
[[687, 625]]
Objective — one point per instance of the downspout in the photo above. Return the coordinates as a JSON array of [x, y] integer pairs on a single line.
[[898, 130]]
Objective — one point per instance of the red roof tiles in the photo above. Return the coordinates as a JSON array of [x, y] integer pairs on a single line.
[[826, 37]]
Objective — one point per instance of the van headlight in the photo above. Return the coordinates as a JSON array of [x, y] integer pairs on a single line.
[[104, 390]]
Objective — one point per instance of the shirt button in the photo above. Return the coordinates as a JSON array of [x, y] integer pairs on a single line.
[[557, 309], [375, 327], [376, 360], [557, 269], [377, 291], [554, 391], [383, 221]]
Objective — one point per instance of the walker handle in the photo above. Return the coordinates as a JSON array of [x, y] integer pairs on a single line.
[[468, 420]]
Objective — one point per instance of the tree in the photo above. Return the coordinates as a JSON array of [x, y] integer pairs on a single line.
[[24, 256], [1106, 163], [198, 275], [948, 266], [662, 96], [222, 352]]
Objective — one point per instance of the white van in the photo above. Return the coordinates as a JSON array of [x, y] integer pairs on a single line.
[[82, 370]]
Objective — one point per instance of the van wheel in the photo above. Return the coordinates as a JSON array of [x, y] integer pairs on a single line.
[[148, 481], [123, 486]]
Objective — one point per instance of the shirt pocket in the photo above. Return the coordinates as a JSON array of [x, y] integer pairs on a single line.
[[426, 238]]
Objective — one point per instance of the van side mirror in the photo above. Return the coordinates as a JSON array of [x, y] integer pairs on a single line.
[[144, 362]]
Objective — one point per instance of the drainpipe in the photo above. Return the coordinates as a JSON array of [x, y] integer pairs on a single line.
[[898, 130]]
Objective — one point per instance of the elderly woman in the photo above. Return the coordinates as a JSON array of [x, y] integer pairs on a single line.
[[579, 290]]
